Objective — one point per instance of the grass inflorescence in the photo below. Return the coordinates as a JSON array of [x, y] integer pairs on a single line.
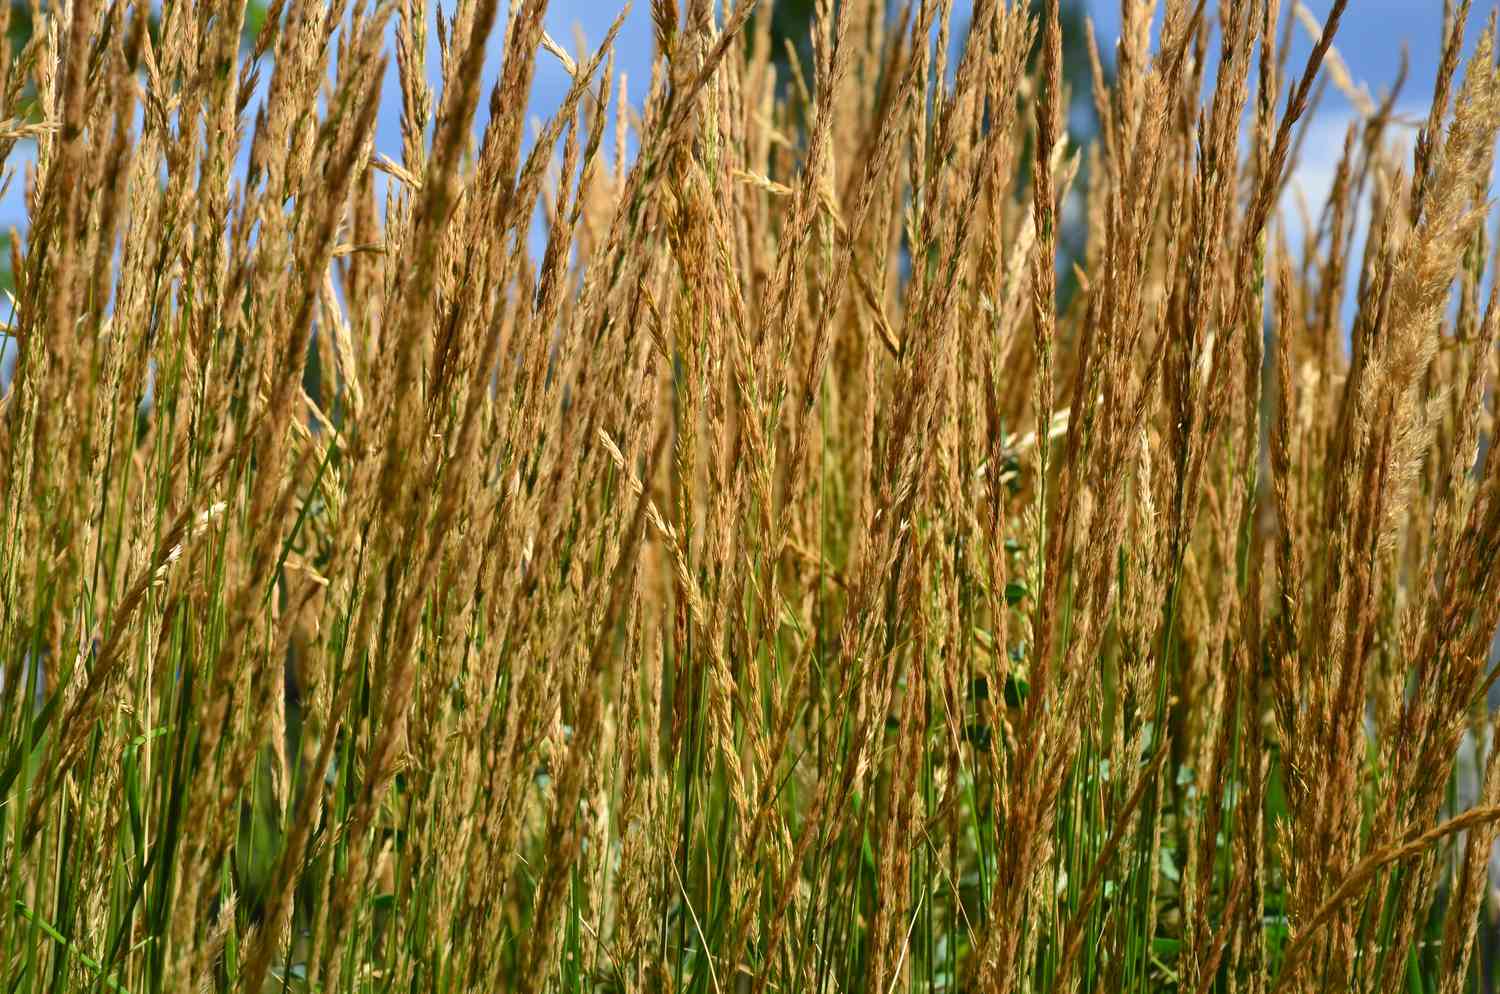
[[721, 541]]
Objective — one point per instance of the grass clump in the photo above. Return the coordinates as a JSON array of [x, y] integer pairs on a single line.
[[764, 585]]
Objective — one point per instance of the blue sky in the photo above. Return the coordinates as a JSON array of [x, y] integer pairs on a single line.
[[1370, 41], [1370, 38]]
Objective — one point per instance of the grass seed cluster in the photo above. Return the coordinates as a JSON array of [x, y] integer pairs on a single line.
[[717, 541]]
